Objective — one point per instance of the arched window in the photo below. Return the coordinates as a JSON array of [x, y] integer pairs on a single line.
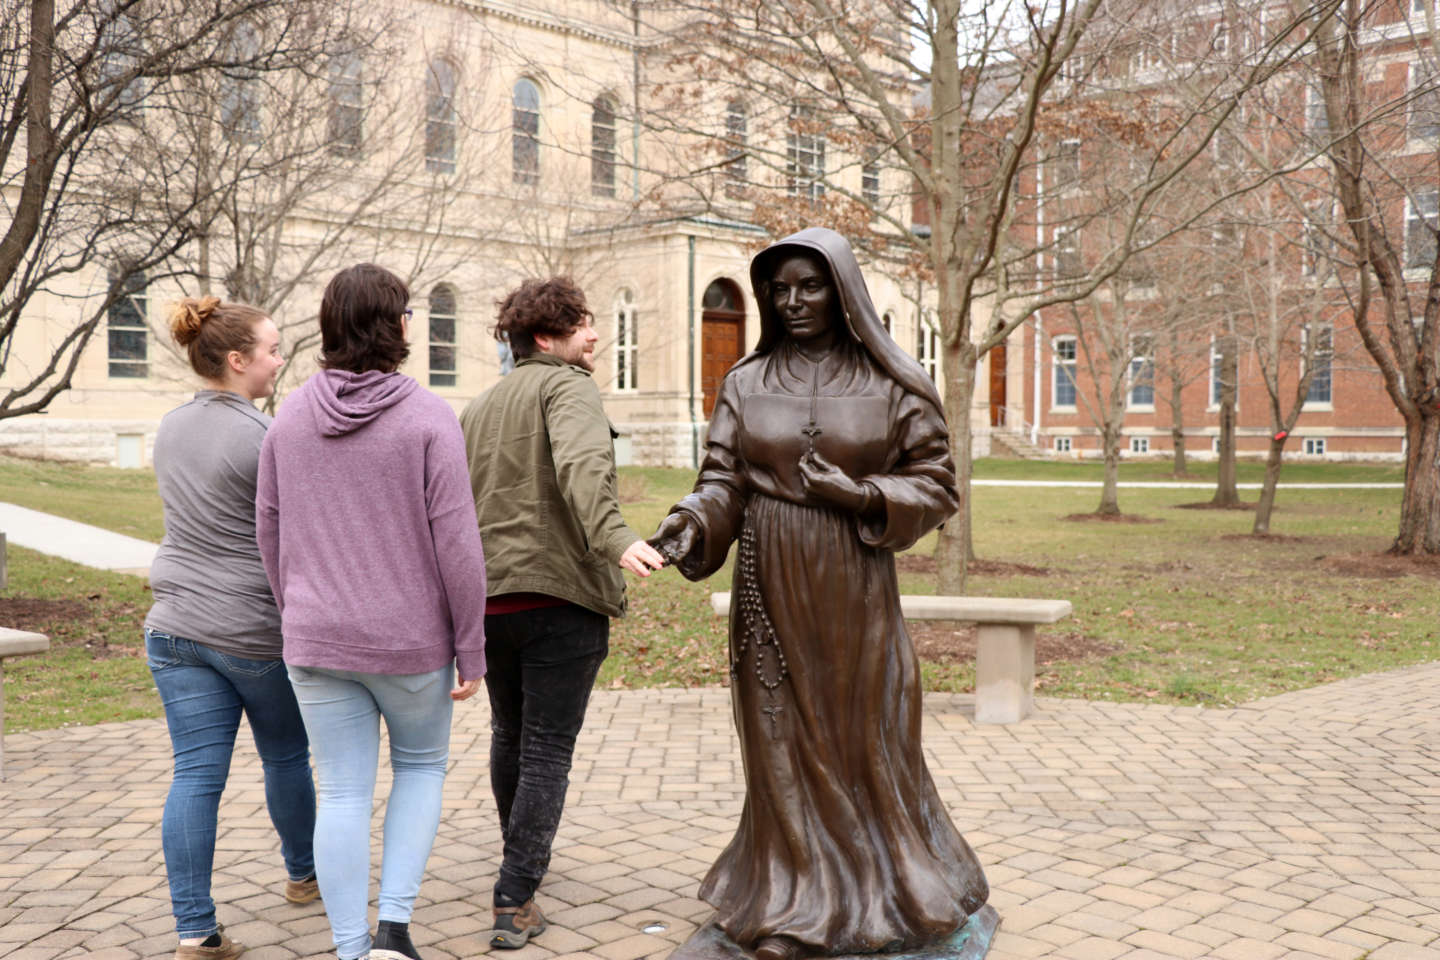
[[440, 117], [602, 147], [889, 321], [240, 93], [736, 172], [525, 132], [126, 331], [346, 101], [443, 352], [627, 341]]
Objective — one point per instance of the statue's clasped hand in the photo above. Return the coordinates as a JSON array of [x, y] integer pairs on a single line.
[[825, 481], [675, 537]]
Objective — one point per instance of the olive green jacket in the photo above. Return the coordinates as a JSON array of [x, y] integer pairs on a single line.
[[542, 469]]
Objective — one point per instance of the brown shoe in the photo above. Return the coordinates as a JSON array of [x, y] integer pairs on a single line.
[[226, 949], [302, 891], [777, 948], [514, 926]]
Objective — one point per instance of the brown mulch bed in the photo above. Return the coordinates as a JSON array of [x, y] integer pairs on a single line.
[[29, 613], [919, 563], [1383, 566], [1111, 518], [945, 641], [1207, 505]]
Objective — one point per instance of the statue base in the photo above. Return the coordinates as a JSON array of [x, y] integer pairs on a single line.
[[970, 942]]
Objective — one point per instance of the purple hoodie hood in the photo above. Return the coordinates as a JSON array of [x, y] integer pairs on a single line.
[[345, 401]]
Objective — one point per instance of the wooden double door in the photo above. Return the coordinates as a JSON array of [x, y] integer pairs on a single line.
[[722, 337]]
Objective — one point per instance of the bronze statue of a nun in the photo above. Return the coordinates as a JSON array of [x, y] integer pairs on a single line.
[[827, 452]]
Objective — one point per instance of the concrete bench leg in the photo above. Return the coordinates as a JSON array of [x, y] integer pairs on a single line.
[[1004, 672]]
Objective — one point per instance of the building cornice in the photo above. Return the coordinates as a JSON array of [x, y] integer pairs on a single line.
[[565, 26]]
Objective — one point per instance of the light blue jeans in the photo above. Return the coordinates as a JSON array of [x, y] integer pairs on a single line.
[[342, 711]]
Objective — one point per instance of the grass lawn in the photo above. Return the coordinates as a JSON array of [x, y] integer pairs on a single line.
[[1185, 608]]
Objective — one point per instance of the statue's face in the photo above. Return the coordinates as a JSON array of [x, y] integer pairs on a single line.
[[804, 297]]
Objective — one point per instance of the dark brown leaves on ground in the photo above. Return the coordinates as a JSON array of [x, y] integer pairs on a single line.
[[93, 622], [1111, 518], [1383, 566], [922, 563], [946, 641]]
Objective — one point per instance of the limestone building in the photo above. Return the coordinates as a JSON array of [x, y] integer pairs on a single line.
[[500, 140]]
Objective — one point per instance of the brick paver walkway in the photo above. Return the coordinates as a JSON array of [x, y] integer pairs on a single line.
[[1307, 825]]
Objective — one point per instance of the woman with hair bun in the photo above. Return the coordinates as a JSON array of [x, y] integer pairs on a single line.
[[213, 635]]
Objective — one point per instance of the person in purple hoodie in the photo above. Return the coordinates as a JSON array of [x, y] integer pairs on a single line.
[[368, 535]]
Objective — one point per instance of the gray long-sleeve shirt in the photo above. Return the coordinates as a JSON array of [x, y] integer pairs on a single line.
[[207, 578]]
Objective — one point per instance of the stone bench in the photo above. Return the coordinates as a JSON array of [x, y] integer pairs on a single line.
[[1004, 644], [14, 643]]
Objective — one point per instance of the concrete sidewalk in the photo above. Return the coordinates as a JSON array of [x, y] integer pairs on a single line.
[[1307, 825], [74, 541]]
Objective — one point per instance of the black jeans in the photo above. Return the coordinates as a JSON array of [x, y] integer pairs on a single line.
[[540, 666]]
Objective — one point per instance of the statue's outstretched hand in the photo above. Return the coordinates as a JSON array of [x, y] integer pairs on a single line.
[[675, 537], [825, 481]]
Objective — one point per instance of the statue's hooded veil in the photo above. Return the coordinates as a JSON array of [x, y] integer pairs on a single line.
[[858, 309]]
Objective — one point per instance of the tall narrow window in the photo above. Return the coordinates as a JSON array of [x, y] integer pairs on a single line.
[[440, 117], [627, 342], [888, 321], [1316, 248], [1420, 222], [1317, 121], [126, 331], [1324, 351], [1217, 373], [1424, 119], [1142, 373], [240, 90], [525, 132], [870, 179], [1067, 252], [443, 353], [927, 346], [1063, 375], [1066, 164], [805, 154], [736, 174], [121, 52], [346, 97], [602, 147]]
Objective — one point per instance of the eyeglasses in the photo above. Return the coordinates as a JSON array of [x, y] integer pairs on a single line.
[[408, 314]]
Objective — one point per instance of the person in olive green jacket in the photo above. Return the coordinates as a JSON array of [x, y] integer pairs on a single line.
[[542, 469]]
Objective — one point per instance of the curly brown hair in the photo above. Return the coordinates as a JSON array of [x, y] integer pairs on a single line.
[[552, 308]]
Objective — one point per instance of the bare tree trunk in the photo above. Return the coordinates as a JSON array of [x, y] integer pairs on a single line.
[[954, 548], [1226, 493], [1110, 491], [1420, 504], [1177, 425], [40, 150], [1273, 462]]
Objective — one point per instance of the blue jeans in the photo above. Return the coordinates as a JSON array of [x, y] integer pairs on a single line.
[[539, 668], [204, 693], [342, 711]]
